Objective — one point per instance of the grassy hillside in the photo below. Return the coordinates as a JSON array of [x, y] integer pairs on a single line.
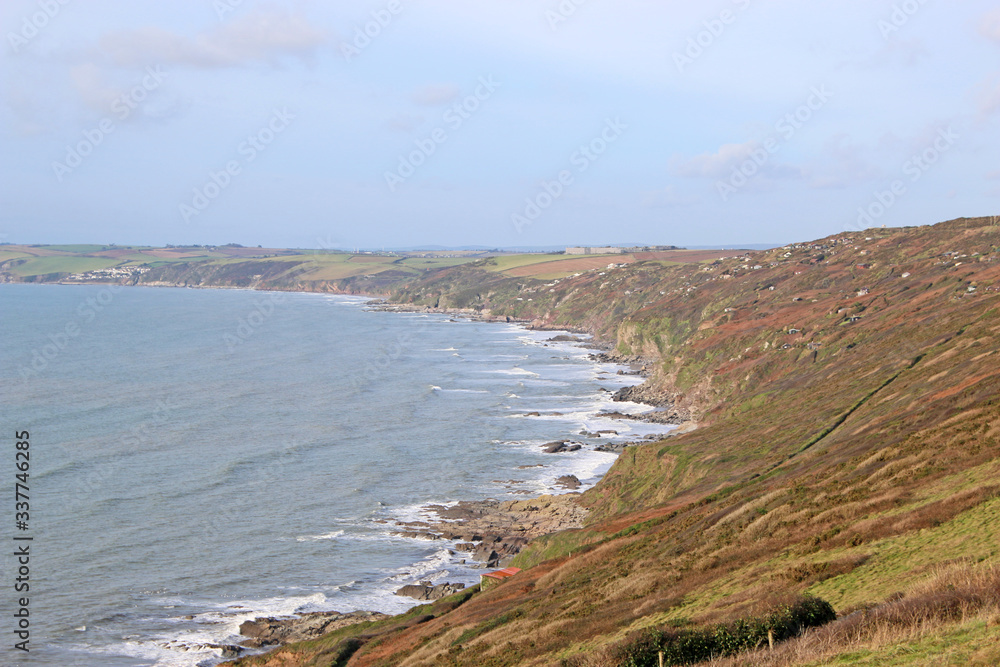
[[848, 446]]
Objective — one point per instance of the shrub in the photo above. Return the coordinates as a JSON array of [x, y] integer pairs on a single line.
[[682, 647]]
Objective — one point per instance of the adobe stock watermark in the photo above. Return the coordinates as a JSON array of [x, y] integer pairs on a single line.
[[786, 127], [453, 119], [365, 34], [562, 13], [901, 14], [58, 341], [255, 144], [122, 107], [914, 168], [581, 159], [224, 7], [32, 25], [714, 28]]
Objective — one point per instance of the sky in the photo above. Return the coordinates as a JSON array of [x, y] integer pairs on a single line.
[[500, 123]]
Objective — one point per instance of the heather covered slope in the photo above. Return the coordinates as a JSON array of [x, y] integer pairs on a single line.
[[846, 392]]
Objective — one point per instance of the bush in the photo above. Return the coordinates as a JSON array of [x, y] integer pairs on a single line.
[[682, 647]]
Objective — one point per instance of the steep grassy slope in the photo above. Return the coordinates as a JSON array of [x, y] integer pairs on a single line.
[[846, 392]]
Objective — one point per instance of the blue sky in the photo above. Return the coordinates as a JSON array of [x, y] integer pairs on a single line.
[[498, 122]]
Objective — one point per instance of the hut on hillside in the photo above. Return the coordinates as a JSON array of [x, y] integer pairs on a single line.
[[490, 579]]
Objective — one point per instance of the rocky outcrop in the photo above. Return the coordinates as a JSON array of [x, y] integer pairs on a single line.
[[427, 591], [271, 631], [571, 482], [493, 532], [615, 447], [672, 417], [597, 434], [615, 357], [561, 446], [228, 650], [645, 393]]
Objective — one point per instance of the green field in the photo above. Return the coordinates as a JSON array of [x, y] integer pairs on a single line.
[[313, 266], [427, 263], [508, 262], [63, 264], [81, 248]]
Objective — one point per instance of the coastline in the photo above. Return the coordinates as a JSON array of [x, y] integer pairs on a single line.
[[488, 532], [504, 527]]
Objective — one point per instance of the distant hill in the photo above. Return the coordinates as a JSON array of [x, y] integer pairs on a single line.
[[367, 272]]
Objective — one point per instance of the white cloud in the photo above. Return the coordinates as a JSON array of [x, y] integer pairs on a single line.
[[729, 157], [256, 37], [715, 165]]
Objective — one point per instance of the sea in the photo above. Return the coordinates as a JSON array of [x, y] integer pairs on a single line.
[[201, 457]]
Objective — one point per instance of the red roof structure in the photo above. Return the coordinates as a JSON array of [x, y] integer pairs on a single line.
[[488, 579]]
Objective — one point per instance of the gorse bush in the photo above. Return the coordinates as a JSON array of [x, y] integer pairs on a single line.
[[682, 647]]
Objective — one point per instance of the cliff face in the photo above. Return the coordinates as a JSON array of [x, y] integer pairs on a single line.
[[715, 330], [848, 445]]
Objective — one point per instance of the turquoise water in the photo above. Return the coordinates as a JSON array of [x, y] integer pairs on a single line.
[[201, 457]]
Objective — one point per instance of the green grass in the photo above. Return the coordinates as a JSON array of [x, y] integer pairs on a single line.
[[153, 259], [12, 254], [895, 563], [425, 263], [133, 258], [508, 262], [965, 644], [552, 546], [974, 534], [80, 248], [491, 624], [64, 264]]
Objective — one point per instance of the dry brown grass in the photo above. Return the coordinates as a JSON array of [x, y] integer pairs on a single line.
[[954, 596], [927, 516]]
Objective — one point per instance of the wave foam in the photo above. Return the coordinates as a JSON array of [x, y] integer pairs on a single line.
[[315, 538]]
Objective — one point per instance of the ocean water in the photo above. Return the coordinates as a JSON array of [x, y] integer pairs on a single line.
[[204, 457]]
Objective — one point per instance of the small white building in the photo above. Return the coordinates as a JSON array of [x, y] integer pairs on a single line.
[[591, 250]]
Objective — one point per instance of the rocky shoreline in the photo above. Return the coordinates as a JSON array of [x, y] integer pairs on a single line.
[[486, 315], [492, 532], [470, 313]]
